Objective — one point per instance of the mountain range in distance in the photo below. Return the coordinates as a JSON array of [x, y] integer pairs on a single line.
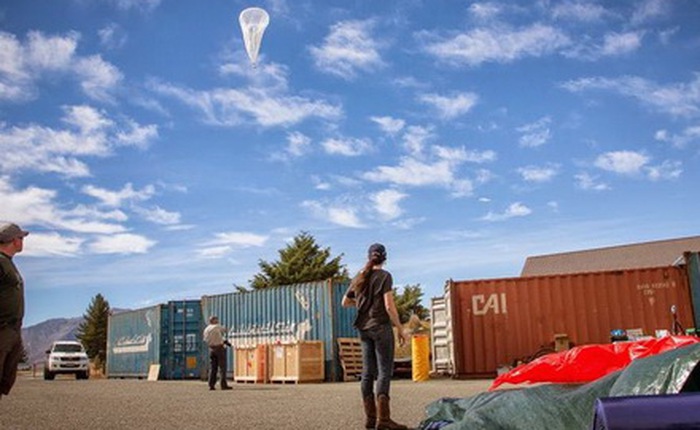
[[39, 337]]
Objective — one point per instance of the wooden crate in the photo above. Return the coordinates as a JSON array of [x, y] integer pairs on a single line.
[[250, 363], [297, 362], [350, 352]]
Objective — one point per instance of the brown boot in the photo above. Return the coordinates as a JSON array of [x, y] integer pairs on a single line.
[[370, 412], [384, 421]]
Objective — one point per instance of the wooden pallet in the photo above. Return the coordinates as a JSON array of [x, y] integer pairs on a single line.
[[350, 351]]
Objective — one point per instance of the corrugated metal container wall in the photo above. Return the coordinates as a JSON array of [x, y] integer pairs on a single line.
[[310, 311], [440, 336], [133, 342], [181, 353], [498, 321]]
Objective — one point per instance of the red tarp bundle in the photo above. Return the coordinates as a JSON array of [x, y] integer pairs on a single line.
[[587, 363]]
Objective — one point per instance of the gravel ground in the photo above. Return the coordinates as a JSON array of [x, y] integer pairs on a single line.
[[139, 404]]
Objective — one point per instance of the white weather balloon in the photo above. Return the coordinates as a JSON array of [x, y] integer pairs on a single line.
[[253, 22]]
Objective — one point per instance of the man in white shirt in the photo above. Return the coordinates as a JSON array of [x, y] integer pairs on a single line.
[[215, 337]]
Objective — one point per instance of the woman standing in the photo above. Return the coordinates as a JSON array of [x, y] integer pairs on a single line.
[[371, 292]]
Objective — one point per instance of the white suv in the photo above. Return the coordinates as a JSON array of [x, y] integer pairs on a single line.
[[66, 356]]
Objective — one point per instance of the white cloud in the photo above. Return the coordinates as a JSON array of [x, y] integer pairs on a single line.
[[342, 215], [450, 107], [686, 137], [112, 36], [538, 174], [516, 209], [389, 125], [622, 162], [158, 215], [51, 245], [125, 243], [621, 43], [535, 134], [677, 100], [578, 11], [386, 203], [485, 11], [588, 182], [89, 134], [237, 239], [349, 147], [117, 198], [415, 137], [23, 64], [234, 107], [650, 9], [668, 170], [497, 44], [139, 5], [349, 48], [38, 206]]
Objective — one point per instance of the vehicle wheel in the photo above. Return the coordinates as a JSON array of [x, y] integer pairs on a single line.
[[82, 375], [48, 376]]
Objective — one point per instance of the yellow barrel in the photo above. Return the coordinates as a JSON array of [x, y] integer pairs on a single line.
[[420, 357]]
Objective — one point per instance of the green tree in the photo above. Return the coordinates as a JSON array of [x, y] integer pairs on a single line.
[[92, 332], [409, 302], [303, 260]]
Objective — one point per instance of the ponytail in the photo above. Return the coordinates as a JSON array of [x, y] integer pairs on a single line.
[[361, 281]]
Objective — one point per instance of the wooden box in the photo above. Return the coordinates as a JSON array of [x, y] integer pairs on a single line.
[[297, 362], [250, 363]]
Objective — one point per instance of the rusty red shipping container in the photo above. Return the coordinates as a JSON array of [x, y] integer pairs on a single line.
[[498, 321]]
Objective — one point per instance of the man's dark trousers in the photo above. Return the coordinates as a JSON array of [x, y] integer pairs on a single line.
[[217, 363]]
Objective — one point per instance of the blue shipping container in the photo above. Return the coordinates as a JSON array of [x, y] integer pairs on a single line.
[[167, 334], [310, 311]]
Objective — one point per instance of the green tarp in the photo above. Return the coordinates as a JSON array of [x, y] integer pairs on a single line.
[[559, 406]]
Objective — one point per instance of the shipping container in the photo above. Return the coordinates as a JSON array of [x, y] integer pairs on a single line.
[[286, 314], [169, 335], [496, 322], [692, 262]]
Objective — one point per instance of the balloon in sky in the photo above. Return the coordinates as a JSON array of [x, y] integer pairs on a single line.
[[253, 22]]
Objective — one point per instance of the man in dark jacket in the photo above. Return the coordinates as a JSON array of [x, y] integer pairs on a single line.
[[11, 305]]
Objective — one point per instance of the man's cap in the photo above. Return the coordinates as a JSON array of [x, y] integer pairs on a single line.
[[10, 231], [377, 249]]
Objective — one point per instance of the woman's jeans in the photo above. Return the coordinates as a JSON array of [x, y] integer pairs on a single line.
[[377, 359]]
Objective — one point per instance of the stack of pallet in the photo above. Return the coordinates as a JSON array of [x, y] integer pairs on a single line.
[[350, 351]]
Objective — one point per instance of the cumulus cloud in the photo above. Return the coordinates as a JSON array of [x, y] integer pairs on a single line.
[[119, 197], [452, 106], [89, 133], [386, 203], [680, 140], [495, 44], [124, 243], [535, 134], [578, 11], [538, 173], [677, 100], [339, 214], [349, 49], [349, 147], [622, 162], [24, 63], [516, 209], [588, 182], [389, 125], [235, 107]]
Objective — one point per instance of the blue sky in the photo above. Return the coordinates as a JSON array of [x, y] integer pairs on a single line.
[[152, 162]]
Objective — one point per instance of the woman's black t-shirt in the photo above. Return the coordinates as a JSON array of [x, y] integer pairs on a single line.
[[370, 303]]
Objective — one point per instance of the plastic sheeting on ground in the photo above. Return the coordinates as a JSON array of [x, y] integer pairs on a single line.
[[566, 406], [589, 362]]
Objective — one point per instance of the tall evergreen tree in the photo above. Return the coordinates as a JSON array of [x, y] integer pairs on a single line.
[[409, 302], [303, 260], [92, 332]]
